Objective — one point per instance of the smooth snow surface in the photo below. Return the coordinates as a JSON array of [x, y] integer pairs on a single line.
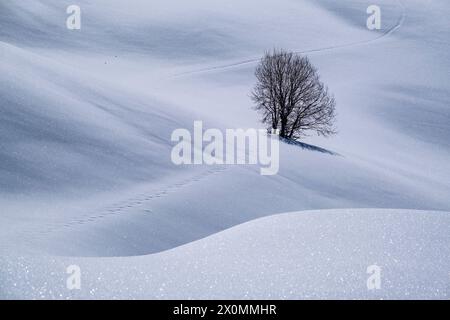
[[301, 255], [85, 171]]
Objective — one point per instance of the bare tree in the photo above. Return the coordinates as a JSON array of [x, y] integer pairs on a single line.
[[290, 96]]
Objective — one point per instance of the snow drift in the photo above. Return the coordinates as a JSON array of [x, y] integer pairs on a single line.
[[301, 255], [86, 118]]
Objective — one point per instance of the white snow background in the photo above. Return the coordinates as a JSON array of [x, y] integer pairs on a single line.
[[86, 177]]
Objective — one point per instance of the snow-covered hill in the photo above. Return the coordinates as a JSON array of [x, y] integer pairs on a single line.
[[86, 118], [301, 255]]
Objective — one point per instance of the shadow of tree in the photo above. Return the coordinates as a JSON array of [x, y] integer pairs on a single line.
[[307, 146]]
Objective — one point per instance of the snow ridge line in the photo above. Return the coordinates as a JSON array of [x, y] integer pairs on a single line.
[[388, 32]]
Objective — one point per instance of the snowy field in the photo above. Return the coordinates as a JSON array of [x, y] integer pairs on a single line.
[[86, 177], [303, 255]]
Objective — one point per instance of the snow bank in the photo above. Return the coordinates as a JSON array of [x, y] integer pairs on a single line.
[[315, 254], [86, 119]]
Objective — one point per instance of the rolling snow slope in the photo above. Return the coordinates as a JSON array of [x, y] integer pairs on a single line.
[[86, 118], [301, 255]]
